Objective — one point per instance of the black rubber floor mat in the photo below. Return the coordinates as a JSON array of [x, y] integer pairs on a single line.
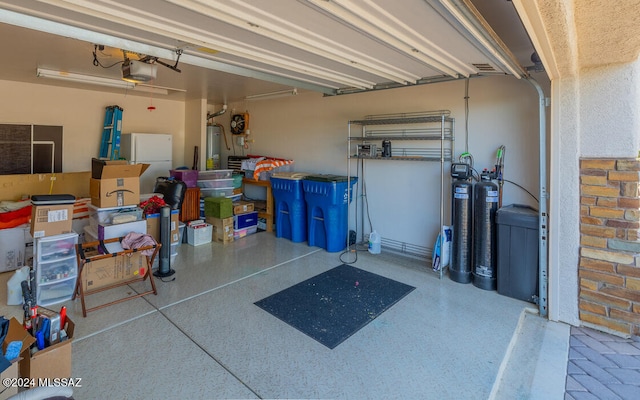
[[332, 306]]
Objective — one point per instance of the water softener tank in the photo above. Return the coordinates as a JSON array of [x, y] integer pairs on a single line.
[[484, 234], [213, 147], [461, 222]]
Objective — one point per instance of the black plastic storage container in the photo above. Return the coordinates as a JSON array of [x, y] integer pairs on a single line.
[[517, 236]]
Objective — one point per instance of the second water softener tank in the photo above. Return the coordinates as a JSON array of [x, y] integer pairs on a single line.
[[461, 223], [484, 234]]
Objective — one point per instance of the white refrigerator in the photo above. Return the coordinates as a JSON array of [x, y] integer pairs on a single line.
[[148, 148]]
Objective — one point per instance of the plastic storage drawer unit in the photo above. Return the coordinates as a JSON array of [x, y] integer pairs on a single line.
[[517, 247], [56, 268], [290, 208], [327, 208]]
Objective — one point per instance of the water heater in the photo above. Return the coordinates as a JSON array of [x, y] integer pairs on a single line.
[[213, 147]]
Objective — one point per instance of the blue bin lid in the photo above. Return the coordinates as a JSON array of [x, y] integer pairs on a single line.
[[296, 176]]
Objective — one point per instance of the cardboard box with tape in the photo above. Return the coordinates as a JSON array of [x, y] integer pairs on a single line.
[[115, 183], [51, 214]]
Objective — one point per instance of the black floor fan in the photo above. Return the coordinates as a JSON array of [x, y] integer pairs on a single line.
[[164, 265]]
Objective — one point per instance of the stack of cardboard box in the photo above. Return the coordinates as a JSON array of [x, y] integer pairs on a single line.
[[230, 220], [114, 212], [115, 193], [218, 213], [245, 220]]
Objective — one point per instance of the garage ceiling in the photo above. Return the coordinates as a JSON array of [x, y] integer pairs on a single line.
[[228, 49]]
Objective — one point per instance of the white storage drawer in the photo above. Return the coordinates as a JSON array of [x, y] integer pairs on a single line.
[[57, 270], [56, 291], [50, 248]]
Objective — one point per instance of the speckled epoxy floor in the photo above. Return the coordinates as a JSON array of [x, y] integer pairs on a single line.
[[202, 337]]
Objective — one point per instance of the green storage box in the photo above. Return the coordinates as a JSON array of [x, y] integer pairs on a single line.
[[218, 207]]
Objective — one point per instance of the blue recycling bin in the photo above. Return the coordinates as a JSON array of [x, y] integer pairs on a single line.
[[327, 210], [290, 208]]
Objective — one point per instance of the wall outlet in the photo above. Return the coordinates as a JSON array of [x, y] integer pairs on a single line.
[[240, 141]]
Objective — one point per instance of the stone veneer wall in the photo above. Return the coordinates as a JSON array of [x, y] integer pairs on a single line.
[[609, 267]]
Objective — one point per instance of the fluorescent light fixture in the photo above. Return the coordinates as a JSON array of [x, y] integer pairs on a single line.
[[81, 78], [155, 89], [151, 89], [272, 95]]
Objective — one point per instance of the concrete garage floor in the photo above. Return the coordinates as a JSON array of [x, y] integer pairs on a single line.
[[202, 337]]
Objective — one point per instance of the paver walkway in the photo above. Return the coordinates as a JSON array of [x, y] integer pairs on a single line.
[[602, 366]]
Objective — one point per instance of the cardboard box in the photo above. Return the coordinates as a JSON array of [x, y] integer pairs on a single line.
[[153, 226], [242, 207], [52, 362], [13, 248], [222, 229], [50, 220], [16, 332], [100, 273], [115, 183], [98, 165]]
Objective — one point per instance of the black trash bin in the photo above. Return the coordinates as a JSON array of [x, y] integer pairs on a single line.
[[517, 248]]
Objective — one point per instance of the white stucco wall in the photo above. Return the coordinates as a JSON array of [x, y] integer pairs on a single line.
[[594, 114], [609, 111], [564, 201]]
